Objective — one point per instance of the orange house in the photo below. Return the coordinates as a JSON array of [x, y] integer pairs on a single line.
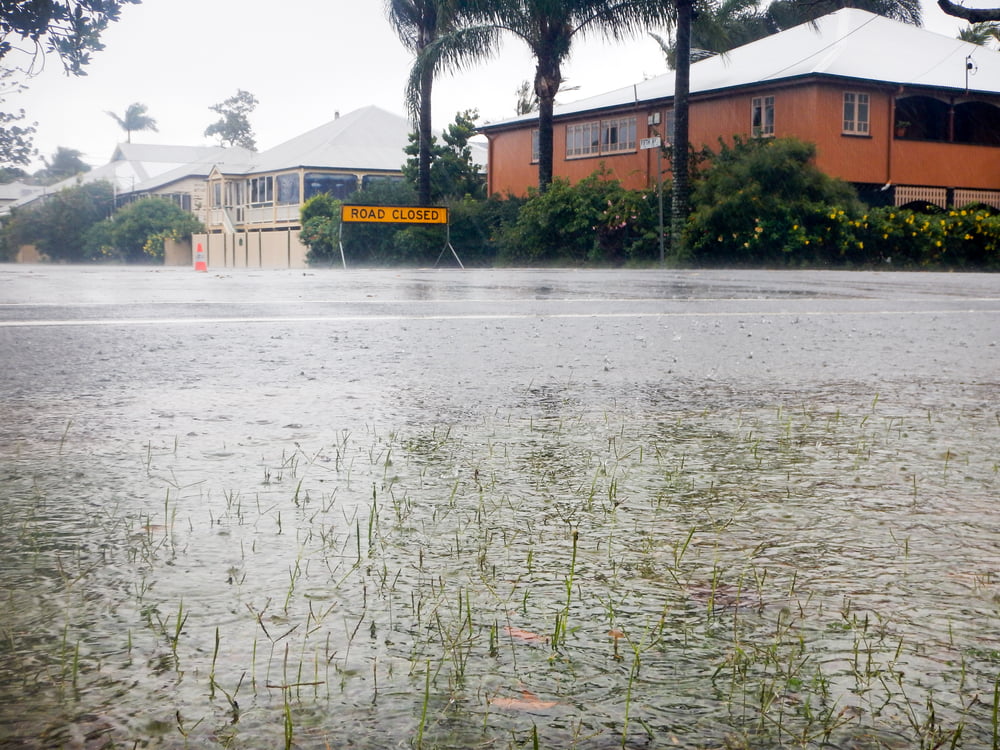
[[902, 113]]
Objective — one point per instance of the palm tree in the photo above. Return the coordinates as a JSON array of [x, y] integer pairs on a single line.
[[548, 28], [718, 28], [982, 33], [418, 24], [780, 14], [135, 119], [679, 194], [784, 14]]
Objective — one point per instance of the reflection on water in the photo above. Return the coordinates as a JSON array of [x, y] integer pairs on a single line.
[[638, 572]]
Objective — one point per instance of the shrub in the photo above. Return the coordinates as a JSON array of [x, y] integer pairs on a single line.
[[57, 226], [594, 221], [958, 238], [765, 202], [136, 232]]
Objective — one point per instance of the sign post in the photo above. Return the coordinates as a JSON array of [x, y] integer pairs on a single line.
[[397, 215], [655, 142]]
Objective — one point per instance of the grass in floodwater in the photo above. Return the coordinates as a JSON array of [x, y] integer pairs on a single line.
[[788, 576]]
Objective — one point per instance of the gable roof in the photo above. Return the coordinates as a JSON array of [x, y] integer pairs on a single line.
[[367, 138], [231, 158], [17, 190], [139, 167], [848, 43], [149, 160]]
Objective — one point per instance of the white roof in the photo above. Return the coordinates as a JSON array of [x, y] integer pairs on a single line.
[[367, 138], [17, 190], [139, 166], [227, 159], [848, 43]]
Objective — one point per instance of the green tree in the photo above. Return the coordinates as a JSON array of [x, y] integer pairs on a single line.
[[453, 172], [527, 100], [70, 29], [548, 29], [982, 33], [419, 24], [718, 27], [784, 14], [58, 225], [233, 127], [11, 174], [136, 233], [15, 136], [65, 162], [134, 119]]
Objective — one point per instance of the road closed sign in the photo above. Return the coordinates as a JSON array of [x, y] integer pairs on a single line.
[[395, 214]]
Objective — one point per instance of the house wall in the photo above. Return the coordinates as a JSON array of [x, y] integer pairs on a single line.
[[812, 112]]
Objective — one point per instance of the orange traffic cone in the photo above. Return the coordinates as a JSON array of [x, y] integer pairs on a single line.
[[200, 261]]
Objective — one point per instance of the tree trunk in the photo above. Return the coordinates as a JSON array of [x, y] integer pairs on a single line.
[[972, 15], [547, 80], [425, 132], [679, 149]]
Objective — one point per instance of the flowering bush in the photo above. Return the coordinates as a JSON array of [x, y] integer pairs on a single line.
[[765, 202], [962, 237]]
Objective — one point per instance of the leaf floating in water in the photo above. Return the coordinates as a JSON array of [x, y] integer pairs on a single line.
[[525, 635], [527, 702]]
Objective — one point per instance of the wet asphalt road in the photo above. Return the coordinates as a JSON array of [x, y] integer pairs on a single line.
[[125, 353]]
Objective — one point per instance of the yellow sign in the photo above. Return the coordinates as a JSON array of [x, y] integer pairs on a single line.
[[395, 214]]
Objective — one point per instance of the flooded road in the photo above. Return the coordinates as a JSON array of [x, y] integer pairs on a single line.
[[493, 508]]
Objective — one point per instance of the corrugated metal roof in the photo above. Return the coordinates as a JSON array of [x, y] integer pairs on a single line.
[[848, 43], [367, 138], [232, 158]]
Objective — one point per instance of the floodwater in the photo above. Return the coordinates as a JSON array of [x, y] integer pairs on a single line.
[[498, 508]]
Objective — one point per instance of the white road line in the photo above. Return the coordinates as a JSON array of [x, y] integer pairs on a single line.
[[111, 322]]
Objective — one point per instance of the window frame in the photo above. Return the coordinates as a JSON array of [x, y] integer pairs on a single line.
[[762, 116], [602, 137], [852, 122]]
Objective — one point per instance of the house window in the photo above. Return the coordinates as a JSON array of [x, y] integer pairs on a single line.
[[762, 116], [535, 150], [339, 186], [668, 127], [583, 139], [856, 108], [288, 188], [600, 137], [261, 190], [618, 135]]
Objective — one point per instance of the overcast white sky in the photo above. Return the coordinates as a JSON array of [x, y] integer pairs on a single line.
[[304, 60]]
